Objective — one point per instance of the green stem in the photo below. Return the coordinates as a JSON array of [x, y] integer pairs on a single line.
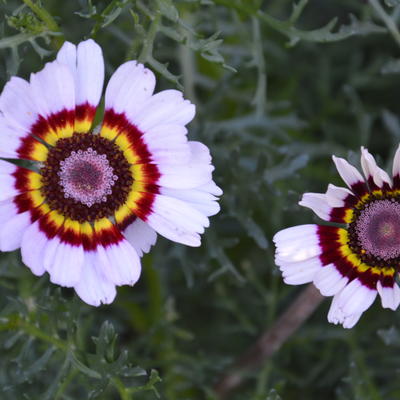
[[34, 331], [123, 392], [260, 98], [390, 24], [38, 333], [148, 43], [156, 300], [187, 61], [262, 380], [368, 384], [49, 21], [65, 383]]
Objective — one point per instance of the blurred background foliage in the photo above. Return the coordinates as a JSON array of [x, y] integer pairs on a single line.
[[279, 87]]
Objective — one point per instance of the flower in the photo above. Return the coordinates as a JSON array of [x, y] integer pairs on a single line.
[[358, 259], [92, 201]]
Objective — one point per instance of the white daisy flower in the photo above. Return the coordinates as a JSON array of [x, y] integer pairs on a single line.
[[361, 258], [92, 203]]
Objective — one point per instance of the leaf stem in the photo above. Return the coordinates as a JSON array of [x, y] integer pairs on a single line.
[[386, 19], [16, 40]]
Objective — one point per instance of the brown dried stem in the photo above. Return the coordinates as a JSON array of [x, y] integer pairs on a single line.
[[270, 341]]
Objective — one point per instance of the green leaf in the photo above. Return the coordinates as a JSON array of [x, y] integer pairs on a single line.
[[105, 342], [286, 168], [254, 230], [150, 385], [134, 372], [168, 10], [326, 33], [40, 363], [90, 13], [84, 369]]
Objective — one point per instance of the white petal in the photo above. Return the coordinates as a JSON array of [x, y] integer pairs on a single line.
[[212, 188], [8, 210], [11, 231], [49, 253], [197, 172], [90, 73], [349, 174], [200, 153], [297, 243], [351, 320], [336, 195], [119, 263], [7, 189], [164, 134], [10, 139], [168, 144], [67, 56], [329, 280], [166, 107], [17, 105], [171, 148], [297, 273], [32, 248], [390, 296], [63, 262], [336, 316], [318, 203], [7, 181], [53, 89], [355, 298], [7, 168], [371, 169], [396, 163], [86, 64], [140, 236], [93, 288], [129, 88], [177, 221], [368, 163], [294, 232], [200, 198]]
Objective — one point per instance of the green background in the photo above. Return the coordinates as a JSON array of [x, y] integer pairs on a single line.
[[277, 91]]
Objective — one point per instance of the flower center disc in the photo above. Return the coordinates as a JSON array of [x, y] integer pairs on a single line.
[[378, 229], [87, 177]]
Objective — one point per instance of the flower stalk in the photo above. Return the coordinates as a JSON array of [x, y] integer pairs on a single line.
[[270, 341]]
